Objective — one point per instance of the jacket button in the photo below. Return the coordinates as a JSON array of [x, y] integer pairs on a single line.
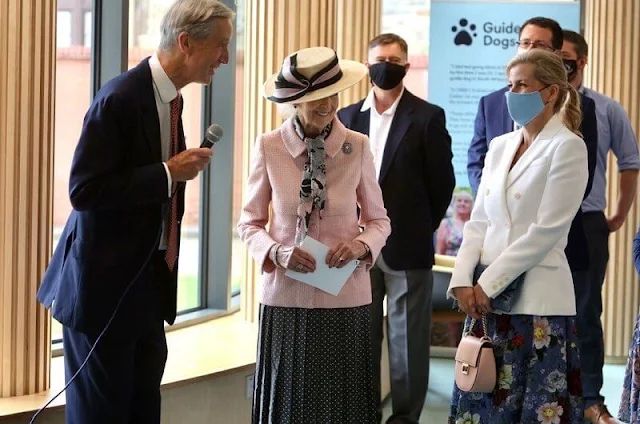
[[517, 196], [488, 191]]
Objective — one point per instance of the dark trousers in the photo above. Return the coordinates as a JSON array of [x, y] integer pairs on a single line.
[[408, 337], [589, 307], [121, 381]]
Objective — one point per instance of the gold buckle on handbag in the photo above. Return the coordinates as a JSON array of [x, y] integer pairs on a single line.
[[465, 368]]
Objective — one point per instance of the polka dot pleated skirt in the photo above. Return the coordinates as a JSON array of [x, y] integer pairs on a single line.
[[314, 367]]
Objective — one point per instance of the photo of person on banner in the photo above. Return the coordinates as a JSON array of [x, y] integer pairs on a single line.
[[449, 234]]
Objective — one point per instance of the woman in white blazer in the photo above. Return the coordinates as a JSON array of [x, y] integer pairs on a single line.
[[532, 186]]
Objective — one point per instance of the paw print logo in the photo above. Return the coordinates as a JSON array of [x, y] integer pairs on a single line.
[[464, 34]]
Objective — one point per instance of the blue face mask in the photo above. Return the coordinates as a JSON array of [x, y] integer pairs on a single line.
[[523, 107]]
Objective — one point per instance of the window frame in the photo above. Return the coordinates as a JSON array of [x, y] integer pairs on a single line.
[[219, 100]]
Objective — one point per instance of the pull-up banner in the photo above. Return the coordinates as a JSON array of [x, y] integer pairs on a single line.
[[471, 43]]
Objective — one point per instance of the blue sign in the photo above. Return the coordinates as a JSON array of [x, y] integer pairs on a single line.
[[471, 43]]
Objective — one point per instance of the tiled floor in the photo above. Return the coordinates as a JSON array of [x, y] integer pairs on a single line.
[[436, 407]]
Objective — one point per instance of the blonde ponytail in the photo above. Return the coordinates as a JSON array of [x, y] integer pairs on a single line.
[[571, 112]]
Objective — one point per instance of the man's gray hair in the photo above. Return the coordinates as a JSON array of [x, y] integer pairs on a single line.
[[193, 16]]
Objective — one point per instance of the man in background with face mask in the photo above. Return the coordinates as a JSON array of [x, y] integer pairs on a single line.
[[412, 154], [616, 134], [493, 120]]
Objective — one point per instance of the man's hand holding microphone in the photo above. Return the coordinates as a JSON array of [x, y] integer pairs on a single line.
[[186, 165]]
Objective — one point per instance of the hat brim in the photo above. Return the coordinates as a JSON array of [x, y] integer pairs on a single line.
[[352, 73]]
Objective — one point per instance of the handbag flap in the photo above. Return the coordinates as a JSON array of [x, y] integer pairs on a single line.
[[468, 350]]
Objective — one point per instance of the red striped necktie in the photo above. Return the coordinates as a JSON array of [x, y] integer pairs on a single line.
[[172, 235]]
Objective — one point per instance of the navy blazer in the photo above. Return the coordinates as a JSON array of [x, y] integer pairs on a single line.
[[493, 120], [416, 177], [119, 193]]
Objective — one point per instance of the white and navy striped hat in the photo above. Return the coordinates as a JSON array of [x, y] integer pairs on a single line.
[[312, 74]]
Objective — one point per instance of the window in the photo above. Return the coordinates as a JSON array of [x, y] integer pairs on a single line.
[[63, 29], [204, 284], [73, 86], [87, 33], [239, 144], [410, 20], [144, 37]]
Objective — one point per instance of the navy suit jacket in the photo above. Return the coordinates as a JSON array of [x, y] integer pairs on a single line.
[[416, 177], [493, 120], [118, 190]]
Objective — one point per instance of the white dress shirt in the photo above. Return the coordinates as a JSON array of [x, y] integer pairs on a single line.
[[379, 127], [164, 92]]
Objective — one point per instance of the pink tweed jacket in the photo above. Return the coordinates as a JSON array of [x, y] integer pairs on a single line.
[[273, 196]]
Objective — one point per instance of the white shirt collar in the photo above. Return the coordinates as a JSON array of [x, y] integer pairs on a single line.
[[165, 88], [368, 102]]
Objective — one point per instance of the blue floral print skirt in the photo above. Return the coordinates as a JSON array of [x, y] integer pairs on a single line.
[[630, 401], [538, 374]]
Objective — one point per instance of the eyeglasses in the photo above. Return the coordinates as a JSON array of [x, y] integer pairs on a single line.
[[526, 44]]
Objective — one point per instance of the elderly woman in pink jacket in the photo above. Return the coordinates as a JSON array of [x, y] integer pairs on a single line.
[[312, 177]]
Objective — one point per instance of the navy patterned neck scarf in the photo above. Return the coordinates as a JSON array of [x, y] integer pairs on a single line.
[[313, 188]]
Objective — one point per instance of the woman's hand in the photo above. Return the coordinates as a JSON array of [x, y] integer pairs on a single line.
[[296, 259], [467, 301], [344, 252], [482, 300]]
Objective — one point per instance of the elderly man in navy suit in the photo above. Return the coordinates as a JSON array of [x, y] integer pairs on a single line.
[[493, 120], [112, 281]]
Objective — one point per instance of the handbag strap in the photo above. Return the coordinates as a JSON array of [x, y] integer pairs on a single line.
[[484, 325]]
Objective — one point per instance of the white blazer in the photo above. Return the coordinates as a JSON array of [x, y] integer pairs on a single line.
[[521, 220]]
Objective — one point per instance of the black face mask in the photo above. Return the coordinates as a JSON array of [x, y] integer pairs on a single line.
[[387, 75], [571, 66]]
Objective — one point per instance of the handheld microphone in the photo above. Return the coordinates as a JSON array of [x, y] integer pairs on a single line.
[[212, 136]]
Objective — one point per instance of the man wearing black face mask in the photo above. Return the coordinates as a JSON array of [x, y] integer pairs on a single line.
[[492, 119], [616, 134], [412, 154]]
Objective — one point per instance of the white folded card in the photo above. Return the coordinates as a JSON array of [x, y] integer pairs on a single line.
[[330, 280]]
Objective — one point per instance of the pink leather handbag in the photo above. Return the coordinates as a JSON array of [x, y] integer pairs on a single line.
[[475, 368]]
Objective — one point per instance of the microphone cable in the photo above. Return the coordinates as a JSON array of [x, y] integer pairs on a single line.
[[212, 136], [113, 314]]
